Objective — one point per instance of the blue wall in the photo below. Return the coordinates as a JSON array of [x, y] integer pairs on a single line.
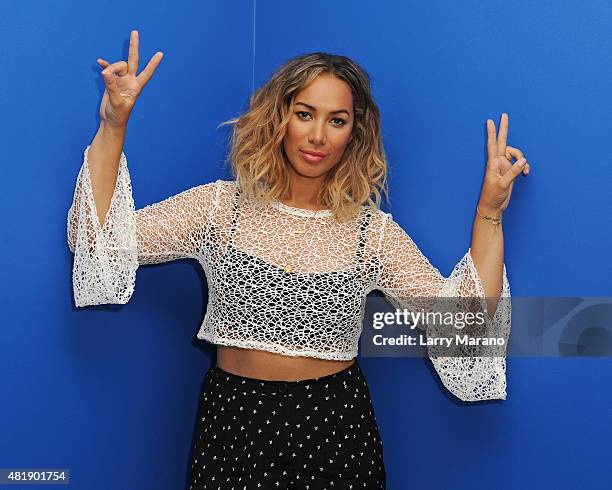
[[111, 392]]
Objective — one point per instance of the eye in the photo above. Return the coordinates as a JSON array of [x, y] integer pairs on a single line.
[[341, 122]]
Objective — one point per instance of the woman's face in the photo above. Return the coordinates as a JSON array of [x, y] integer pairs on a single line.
[[322, 122]]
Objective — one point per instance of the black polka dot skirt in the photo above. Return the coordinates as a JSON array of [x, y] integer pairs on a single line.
[[312, 434]]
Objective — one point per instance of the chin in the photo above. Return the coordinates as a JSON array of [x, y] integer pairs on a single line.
[[309, 171]]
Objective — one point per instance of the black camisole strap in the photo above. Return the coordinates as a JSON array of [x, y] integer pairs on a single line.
[[234, 216], [365, 221]]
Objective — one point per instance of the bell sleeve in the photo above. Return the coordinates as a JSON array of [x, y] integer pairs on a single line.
[[107, 256], [408, 280]]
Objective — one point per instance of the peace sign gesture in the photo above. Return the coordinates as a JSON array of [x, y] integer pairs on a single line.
[[123, 86], [501, 172]]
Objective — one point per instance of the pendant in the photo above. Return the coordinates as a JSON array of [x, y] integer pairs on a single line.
[[288, 268]]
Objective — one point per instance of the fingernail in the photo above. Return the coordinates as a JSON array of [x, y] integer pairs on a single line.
[[521, 162]]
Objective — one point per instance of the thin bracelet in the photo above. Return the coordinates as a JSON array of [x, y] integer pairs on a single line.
[[495, 221]]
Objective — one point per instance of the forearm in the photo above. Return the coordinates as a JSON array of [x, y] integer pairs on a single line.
[[103, 163], [487, 251]]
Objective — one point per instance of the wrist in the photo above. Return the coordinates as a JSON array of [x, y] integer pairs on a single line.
[[489, 211], [112, 134], [111, 129]]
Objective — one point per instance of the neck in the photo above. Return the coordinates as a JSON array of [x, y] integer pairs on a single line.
[[303, 192]]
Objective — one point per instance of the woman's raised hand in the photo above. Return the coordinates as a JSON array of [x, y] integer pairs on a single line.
[[123, 86], [501, 172]]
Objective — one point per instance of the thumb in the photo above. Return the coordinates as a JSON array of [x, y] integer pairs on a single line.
[[513, 172], [109, 80]]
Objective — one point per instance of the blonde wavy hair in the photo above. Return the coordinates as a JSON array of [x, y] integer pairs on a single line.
[[257, 158]]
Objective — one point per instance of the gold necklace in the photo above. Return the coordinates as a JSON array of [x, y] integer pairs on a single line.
[[289, 262], [288, 267]]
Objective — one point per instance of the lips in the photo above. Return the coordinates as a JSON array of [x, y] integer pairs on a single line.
[[312, 157], [314, 153]]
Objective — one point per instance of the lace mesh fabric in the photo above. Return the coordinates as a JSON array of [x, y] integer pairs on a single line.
[[280, 279]]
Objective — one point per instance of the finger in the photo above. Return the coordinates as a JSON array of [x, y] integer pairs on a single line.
[[518, 154], [110, 78], [503, 135], [512, 173], [110, 81], [146, 74], [102, 62], [133, 53], [117, 68], [513, 152], [491, 140]]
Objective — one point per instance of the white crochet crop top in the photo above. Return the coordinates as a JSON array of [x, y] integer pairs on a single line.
[[280, 279]]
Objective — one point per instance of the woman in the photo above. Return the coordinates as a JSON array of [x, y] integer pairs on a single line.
[[291, 247]]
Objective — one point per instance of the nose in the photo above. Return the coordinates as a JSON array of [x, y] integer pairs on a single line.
[[317, 135]]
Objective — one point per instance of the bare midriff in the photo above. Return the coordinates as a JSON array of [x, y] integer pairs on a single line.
[[258, 364]]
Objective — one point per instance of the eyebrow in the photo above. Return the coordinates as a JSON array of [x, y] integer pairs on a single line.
[[332, 112]]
